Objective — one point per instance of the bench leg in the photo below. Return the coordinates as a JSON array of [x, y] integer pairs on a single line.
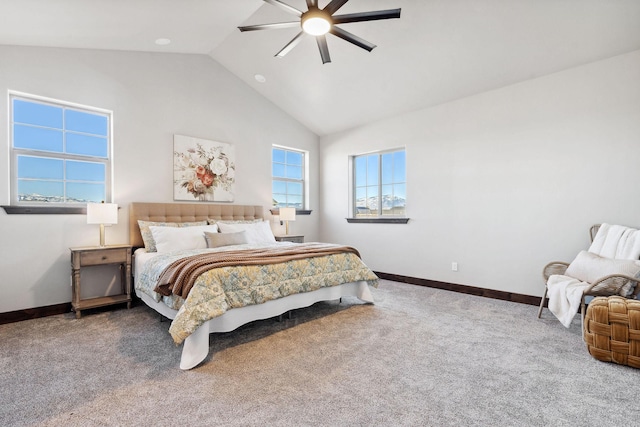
[[544, 296]]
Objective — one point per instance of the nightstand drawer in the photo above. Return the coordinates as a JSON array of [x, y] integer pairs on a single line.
[[104, 256]]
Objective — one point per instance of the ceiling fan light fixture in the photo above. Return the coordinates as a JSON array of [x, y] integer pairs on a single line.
[[315, 23]]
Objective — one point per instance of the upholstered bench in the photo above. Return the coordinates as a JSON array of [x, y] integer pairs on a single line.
[[612, 330]]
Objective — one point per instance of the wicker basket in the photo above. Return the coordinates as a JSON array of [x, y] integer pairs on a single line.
[[612, 330]]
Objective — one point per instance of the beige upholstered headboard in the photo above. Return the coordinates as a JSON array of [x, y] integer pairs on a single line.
[[183, 212]]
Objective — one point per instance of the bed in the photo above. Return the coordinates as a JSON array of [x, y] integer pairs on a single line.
[[205, 309]]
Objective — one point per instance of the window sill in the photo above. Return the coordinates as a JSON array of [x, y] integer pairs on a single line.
[[377, 220], [298, 211], [45, 210]]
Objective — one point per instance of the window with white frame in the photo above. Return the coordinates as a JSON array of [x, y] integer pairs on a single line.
[[60, 152], [288, 171], [379, 184]]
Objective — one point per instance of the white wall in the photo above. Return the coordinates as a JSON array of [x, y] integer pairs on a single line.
[[152, 96], [502, 182]]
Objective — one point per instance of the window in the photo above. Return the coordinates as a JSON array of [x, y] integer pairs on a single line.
[[288, 173], [60, 152], [379, 184]]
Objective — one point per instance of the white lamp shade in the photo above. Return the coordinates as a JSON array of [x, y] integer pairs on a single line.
[[287, 214], [102, 213]]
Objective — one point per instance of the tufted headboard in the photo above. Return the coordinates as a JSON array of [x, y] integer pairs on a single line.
[[185, 212]]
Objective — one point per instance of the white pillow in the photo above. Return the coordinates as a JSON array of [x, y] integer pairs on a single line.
[[147, 237], [589, 267], [257, 232], [169, 239]]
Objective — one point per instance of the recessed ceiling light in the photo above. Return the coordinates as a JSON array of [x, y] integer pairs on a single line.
[[260, 78], [163, 42]]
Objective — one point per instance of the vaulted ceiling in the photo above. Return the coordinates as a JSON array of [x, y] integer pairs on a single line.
[[438, 51]]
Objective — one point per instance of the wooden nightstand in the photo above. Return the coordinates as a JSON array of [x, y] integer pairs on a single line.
[[290, 238], [96, 255]]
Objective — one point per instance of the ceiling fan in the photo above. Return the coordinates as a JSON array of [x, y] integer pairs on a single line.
[[318, 22]]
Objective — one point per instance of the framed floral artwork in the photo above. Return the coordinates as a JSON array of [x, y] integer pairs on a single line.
[[203, 170]]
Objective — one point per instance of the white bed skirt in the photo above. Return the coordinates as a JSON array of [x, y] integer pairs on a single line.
[[196, 346]]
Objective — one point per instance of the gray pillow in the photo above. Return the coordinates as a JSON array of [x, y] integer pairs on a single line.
[[215, 240]]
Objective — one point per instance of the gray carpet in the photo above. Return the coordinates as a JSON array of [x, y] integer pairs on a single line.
[[419, 357]]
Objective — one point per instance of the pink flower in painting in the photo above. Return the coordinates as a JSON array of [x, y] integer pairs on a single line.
[[200, 171], [207, 179]]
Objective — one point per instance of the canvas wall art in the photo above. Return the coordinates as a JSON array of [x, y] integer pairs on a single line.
[[203, 170]]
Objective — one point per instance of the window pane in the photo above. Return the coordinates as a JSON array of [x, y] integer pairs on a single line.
[[294, 188], [85, 192], [86, 122], [361, 171], [399, 166], [372, 169], [37, 114], [294, 158], [294, 172], [387, 168], [40, 191], [34, 138], [279, 187], [40, 168], [400, 193], [278, 170], [278, 155], [361, 196], [372, 198], [87, 145], [86, 171], [294, 201], [279, 200]]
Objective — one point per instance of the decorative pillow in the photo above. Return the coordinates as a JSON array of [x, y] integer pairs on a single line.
[[169, 239], [589, 267], [257, 232], [215, 240], [147, 237]]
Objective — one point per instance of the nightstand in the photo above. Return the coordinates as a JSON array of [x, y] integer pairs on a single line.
[[96, 255], [290, 238]]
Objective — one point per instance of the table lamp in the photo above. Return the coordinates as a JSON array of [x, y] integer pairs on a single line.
[[102, 213], [286, 215]]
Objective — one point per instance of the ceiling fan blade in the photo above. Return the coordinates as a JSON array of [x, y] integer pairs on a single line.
[[290, 45], [324, 49], [312, 3], [289, 9], [333, 6], [366, 16], [274, 26], [352, 38]]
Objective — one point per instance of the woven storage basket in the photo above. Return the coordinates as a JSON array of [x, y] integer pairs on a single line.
[[612, 330]]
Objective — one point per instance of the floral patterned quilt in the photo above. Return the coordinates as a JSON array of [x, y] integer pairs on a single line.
[[218, 290]]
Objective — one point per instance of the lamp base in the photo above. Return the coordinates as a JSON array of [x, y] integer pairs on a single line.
[[102, 245]]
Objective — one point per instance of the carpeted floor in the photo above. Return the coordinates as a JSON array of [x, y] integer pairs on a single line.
[[418, 357]]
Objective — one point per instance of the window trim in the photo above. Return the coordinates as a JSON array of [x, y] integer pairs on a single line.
[[305, 209], [380, 219], [17, 207]]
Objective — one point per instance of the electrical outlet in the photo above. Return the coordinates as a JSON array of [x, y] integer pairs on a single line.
[[454, 266]]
